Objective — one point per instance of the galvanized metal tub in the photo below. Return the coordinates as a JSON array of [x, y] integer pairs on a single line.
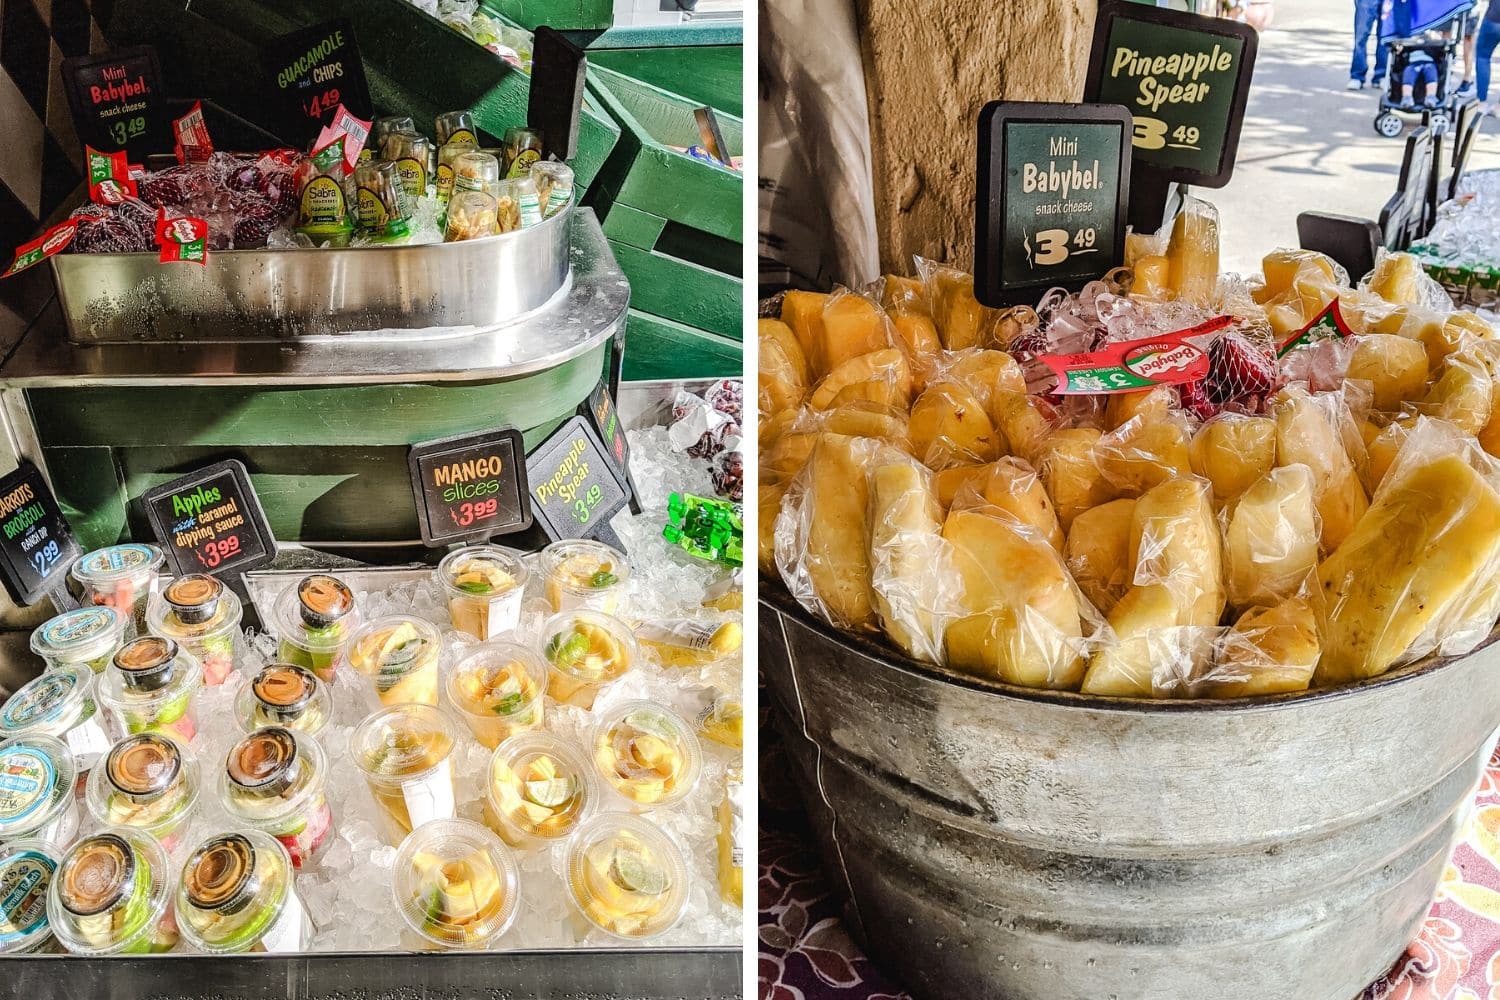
[[400, 292], [1001, 842]]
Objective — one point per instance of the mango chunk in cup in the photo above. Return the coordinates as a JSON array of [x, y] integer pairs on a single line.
[[538, 790], [647, 754], [484, 585], [586, 651], [406, 755], [584, 574], [399, 655], [625, 877], [456, 886], [498, 689]]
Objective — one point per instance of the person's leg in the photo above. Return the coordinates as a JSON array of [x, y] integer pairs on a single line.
[[1364, 21], [1484, 48]]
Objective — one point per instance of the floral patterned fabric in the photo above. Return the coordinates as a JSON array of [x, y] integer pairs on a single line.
[[805, 953]]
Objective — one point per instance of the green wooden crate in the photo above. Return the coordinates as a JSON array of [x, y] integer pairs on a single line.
[[703, 61], [415, 64], [657, 348], [564, 15], [645, 173], [682, 291], [329, 462]]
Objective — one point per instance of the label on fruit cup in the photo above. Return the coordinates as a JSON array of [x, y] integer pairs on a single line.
[[23, 894], [429, 797], [505, 612], [1327, 325], [1135, 365], [88, 741], [285, 935], [735, 792], [26, 778]]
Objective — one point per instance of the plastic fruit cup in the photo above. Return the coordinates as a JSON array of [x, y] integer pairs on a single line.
[[236, 895], [314, 621], [484, 585], [499, 690], [151, 688], [624, 877], [456, 886], [406, 755], [537, 790], [37, 797], [274, 781], [26, 870], [286, 696], [586, 651], [584, 574], [202, 616], [86, 636], [122, 577], [146, 782], [111, 896], [647, 754], [399, 655], [60, 703]]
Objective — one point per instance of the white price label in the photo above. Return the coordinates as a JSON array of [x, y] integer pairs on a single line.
[[429, 797]]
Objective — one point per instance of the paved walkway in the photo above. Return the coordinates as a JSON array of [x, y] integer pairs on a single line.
[[1307, 142]]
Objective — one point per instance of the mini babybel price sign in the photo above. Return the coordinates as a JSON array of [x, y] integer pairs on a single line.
[[470, 487], [1185, 79], [36, 544], [1051, 198], [575, 490], [211, 521], [118, 101]]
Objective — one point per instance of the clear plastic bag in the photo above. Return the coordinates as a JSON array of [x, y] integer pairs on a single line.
[[1271, 538], [911, 565], [1318, 430]]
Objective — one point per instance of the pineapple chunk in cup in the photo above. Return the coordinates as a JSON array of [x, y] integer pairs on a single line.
[[286, 696], [111, 896], [406, 754], [584, 574], [147, 782], [587, 651], [456, 886], [152, 687], [484, 585], [498, 689], [538, 790], [237, 894], [314, 621], [399, 654], [624, 877], [647, 754], [202, 616]]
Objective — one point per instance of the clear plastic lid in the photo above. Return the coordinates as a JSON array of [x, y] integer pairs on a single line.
[[539, 785], [403, 742], [585, 567], [80, 636], [147, 781], [117, 562], [272, 774], [393, 646], [498, 680], [36, 783], [110, 890], [626, 876], [647, 753], [482, 572], [233, 891], [26, 870], [50, 704], [589, 646], [194, 607], [284, 695], [150, 671], [456, 884], [318, 614]]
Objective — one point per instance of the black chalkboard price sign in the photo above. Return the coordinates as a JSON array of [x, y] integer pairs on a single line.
[[470, 487], [575, 490], [211, 521], [118, 102], [36, 544], [1053, 184], [311, 72]]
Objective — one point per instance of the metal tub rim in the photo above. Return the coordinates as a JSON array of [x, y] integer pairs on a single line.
[[867, 645]]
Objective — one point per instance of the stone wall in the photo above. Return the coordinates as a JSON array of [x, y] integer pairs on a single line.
[[930, 65]]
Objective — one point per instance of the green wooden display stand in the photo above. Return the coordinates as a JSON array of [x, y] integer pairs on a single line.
[[415, 64], [657, 348], [674, 222], [326, 461]]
